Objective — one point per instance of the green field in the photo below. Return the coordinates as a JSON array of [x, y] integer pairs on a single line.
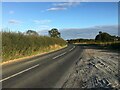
[[110, 45], [17, 45], [105, 45]]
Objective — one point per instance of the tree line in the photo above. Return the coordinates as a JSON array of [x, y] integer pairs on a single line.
[[101, 37], [52, 33]]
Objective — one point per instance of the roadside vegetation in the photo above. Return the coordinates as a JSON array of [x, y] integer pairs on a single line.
[[17, 45], [103, 40]]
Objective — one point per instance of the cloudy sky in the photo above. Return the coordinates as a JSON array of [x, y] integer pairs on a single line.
[[73, 19]]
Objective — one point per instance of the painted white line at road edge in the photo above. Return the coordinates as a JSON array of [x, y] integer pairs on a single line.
[[63, 53], [19, 73], [59, 55], [72, 48]]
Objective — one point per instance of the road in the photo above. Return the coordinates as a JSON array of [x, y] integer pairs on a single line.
[[46, 71]]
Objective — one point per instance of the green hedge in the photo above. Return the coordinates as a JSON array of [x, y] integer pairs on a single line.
[[110, 45], [16, 45]]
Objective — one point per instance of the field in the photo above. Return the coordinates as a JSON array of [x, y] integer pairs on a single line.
[[17, 45], [105, 45], [111, 45]]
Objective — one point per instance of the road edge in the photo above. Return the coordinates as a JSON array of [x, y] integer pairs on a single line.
[[65, 77], [29, 57]]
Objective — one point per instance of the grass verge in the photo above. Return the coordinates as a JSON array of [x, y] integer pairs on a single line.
[[17, 45], [104, 45]]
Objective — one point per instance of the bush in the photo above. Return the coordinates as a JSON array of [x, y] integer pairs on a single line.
[[104, 37], [16, 45]]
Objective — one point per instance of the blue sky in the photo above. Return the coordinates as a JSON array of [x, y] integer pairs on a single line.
[[39, 16]]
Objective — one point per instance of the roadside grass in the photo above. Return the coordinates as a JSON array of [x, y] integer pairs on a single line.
[[105, 45], [111, 45], [108, 45], [18, 45]]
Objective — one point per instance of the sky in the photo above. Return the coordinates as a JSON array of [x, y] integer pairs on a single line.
[[43, 16]]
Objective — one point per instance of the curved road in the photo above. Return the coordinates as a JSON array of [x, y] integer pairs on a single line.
[[44, 71]]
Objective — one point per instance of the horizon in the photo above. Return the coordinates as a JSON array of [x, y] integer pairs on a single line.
[[65, 16]]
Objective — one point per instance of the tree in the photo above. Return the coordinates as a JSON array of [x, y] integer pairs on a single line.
[[100, 32], [31, 32], [104, 37], [54, 33]]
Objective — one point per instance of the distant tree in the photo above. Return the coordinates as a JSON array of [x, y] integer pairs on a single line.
[[80, 40], [118, 38], [104, 37], [54, 33], [100, 32], [31, 32]]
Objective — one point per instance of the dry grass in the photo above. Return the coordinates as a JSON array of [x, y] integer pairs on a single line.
[[17, 45], [53, 48]]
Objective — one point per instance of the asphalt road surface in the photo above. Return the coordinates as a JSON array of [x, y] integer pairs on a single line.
[[46, 71]]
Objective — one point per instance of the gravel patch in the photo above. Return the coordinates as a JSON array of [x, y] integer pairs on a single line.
[[95, 69]]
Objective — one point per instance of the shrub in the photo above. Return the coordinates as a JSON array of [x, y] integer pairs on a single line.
[[16, 45]]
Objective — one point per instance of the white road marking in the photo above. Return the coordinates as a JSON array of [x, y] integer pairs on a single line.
[[59, 55], [63, 53], [19, 73], [72, 48]]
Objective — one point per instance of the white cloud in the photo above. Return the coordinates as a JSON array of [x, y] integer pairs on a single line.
[[66, 4], [90, 32], [11, 12], [56, 9], [42, 21], [62, 6], [13, 21]]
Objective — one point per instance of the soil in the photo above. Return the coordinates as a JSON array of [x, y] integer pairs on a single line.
[[96, 68]]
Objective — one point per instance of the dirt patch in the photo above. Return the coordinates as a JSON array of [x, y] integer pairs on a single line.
[[95, 69]]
